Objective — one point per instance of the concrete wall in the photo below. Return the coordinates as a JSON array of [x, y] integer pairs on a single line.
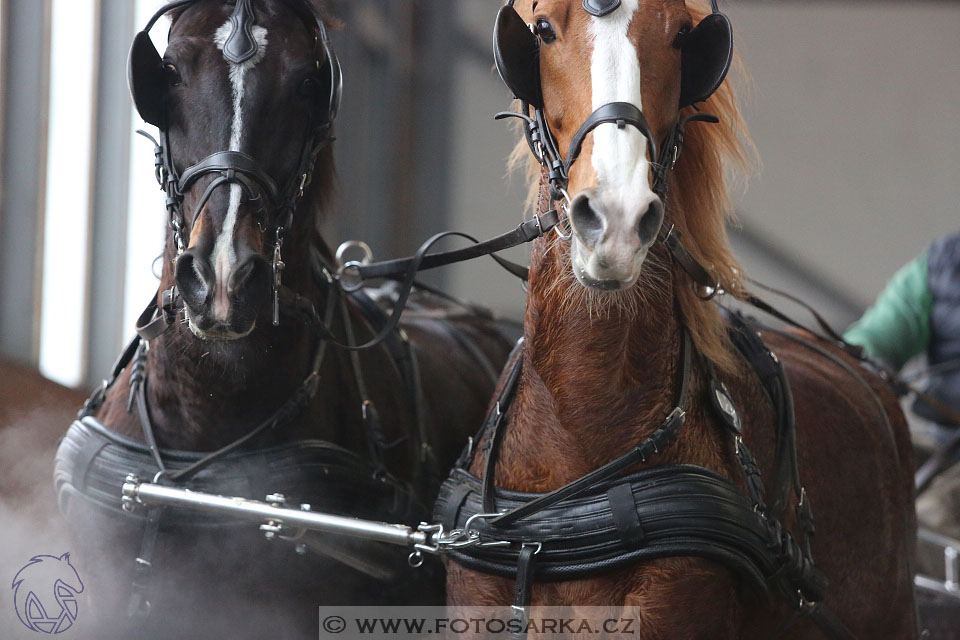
[[854, 114]]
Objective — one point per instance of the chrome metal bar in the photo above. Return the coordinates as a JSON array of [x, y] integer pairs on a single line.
[[277, 518], [951, 562]]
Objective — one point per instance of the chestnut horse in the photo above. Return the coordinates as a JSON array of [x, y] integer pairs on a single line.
[[244, 97], [609, 305]]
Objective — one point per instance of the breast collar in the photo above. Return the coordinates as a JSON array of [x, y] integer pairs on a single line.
[[606, 520], [93, 461]]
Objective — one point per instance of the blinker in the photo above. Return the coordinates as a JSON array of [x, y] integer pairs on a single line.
[[600, 8]]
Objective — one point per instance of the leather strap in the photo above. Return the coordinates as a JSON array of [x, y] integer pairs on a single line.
[[619, 113], [138, 392], [660, 439], [290, 408], [828, 622], [493, 426], [671, 237], [241, 163], [138, 606], [157, 318], [526, 565], [523, 233], [623, 508]]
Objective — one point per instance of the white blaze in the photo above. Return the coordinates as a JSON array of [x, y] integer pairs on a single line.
[[224, 255], [619, 155]]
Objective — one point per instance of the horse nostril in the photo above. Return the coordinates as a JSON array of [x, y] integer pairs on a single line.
[[650, 222], [250, 281], [194, 279], [586, 222]]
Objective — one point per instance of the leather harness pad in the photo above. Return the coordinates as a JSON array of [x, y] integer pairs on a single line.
[[679, 510], [241, 45], [600, 8], [92, 463]]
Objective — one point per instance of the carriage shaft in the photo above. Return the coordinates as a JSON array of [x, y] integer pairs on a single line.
[[149, 494]]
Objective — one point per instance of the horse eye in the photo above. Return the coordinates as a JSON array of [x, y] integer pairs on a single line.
[[308, 88], [173, 76], [681, 38], [545, 31]]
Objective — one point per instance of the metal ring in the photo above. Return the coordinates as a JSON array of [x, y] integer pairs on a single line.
[[805, 605], [350, 282], [538, 545], [415, 559], [478, 516], [563, 214], [711, 292], [354, 244], [556, 228]]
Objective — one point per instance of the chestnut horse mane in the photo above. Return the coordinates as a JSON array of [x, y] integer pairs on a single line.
[[715, 158]]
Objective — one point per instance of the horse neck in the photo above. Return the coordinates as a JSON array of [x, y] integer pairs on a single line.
[[598, 380], [205, 394]]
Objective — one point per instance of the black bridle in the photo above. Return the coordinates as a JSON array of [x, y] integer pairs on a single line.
[[516, 48], [234, 167], [516, 52]]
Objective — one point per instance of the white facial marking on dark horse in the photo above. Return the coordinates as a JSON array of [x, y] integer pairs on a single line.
[[224, 255]]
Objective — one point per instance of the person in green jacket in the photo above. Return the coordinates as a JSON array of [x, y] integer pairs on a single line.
[[917, 312], [897, 326]]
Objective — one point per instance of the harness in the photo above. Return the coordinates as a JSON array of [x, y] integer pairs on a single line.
[[93, 461], [606, 520]]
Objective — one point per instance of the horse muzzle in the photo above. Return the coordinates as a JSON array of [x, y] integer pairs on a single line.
[[219, 307], [610, 245]]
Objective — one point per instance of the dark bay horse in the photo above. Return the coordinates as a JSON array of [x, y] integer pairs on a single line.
[[609, 306], [245, 97]]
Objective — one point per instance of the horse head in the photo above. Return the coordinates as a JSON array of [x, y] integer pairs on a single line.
[[244, 96], [608, 79]]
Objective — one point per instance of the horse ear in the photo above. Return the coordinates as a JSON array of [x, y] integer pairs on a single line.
[[706, 56], [516, 51], [146, 79]]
